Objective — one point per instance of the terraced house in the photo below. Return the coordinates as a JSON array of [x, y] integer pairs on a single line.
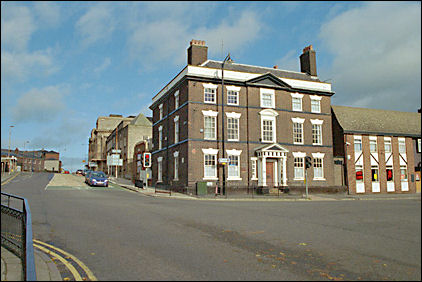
[[265, 122]]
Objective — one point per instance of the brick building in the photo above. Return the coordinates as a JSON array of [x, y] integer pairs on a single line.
[[380, 148], [271, 119], [97, 152], [124, 137]]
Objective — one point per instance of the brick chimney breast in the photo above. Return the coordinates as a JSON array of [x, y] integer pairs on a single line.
[[197, 52], [308, 61]]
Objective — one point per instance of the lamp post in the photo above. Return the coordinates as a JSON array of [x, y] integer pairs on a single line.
[[8, 154], [222, 114]]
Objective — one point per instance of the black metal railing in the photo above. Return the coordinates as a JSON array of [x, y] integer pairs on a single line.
[[16, 232]]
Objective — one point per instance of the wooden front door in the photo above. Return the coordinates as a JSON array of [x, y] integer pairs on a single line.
[[270, 174]]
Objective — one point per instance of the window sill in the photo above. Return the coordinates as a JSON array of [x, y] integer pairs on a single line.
[[207, 102], [210, 178], [234, 178], [254, 178], [298, 179], [319, 179]]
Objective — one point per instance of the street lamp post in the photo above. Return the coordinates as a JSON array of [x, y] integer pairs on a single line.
[[8, 154], [222, 114]]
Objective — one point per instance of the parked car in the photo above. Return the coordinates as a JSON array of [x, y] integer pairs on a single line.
[[79, 172], [97, 178], [66, 172]]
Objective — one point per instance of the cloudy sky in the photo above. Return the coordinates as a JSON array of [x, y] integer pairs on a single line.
[[63, 64]]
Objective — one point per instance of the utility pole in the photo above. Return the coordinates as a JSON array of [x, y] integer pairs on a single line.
[[223, 191]]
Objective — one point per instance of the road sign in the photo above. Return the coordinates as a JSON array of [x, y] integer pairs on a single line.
[[223, 160], [116, 151], [114, 160]]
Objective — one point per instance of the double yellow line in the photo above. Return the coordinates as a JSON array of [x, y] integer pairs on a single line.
[[71, 268], [10, 179]]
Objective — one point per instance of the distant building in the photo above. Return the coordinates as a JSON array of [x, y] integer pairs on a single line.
[[124, 137], [37, 161], [139, 172], [379, 149], [97, 153]]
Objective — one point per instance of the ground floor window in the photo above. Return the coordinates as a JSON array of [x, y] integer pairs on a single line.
[[318, 168], [253, 165], [375, 173], [176, 168], [210, 166], [403, 173], [233, 167], [299, 168], [389, 171], [359, 173]]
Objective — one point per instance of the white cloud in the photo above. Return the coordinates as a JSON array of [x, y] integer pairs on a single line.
[[106, 63], [377, 55], [39, 105], [17, 26], [48, 12], [95, 25], [154, 42], [20, 65]]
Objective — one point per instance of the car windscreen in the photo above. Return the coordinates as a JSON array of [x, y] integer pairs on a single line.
[[98, 174]]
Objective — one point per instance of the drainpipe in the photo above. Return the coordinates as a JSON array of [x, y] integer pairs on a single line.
[[222, 108]]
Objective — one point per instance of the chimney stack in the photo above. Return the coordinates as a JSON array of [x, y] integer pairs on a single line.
[[197, 52], [308, 61]]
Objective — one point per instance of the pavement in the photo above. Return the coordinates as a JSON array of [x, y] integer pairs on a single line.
[[46, 269]]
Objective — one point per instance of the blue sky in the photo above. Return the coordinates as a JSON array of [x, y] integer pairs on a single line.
[[63, 64]]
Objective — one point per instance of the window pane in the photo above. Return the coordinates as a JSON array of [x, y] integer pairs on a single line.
[[209, 130], [267, 100], [359, 173], [267, 130], [318, 169], [373, 146], [234, 166], [389, 174], [232, 97], [403, 173], [297, 104], [387, 146], [233, 128], [315, 106], [209, 95], [299, 168], [402, 147], [316, 134], [358, 145], [375, 176], [297, 132]]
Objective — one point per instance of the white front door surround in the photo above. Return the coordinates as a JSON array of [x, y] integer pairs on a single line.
[[273, 151]]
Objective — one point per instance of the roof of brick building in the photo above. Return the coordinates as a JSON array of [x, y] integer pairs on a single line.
[[375, 121]]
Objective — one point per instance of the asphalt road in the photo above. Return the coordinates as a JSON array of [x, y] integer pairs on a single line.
[[123, 235]]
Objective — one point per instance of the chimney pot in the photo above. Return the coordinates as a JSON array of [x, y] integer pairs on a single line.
[[275, 67]]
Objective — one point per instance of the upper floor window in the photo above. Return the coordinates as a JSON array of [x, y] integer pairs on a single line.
[[315, 104], [161, 111], [210, 125], [387, 145], [176, 99], [267, 98], [298, 130], [176, 129], [233, 126], [296, 101], [419, 145], [160, 169], [160, 137], [402, 146], [233, 95], [372, 145], [210, 91], [268, 125], [316, 131], [358, 144]]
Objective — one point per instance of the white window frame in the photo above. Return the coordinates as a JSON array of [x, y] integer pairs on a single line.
[[298, 121], [375, 167], [176, 129], [403, 167], [319, 157], [212, 115], [301, 156], [208, 86], [160, 107], [176, 165], [359, 167], [387, 140], [419, 148], [402, 145], [318, 100], [269, 115], [231, 90], [176, 99], [254, 168], [298, 97], [372, 141], [359, 138], [160, 169], [233, 117], [160, 137], [230, 155], [318, 124], [264, 92], [210, 152]]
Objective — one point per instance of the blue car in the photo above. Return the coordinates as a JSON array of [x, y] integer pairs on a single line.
[[97, 178]]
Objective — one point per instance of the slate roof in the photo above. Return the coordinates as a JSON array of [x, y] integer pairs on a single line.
[[256, 69], [374, 121]]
